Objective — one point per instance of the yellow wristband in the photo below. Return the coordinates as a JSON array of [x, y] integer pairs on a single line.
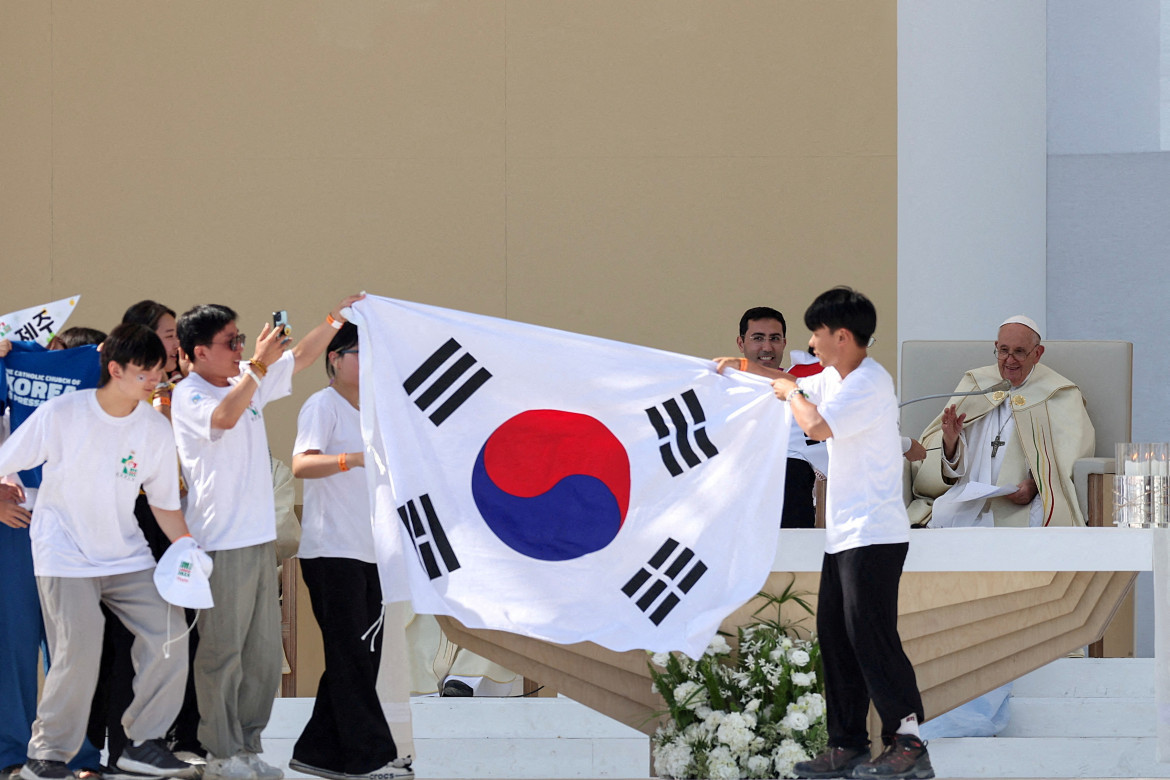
[[341, 464], [258, 364]]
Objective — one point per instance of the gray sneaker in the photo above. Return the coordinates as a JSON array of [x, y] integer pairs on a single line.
[[41, 769], [263, 771], [905, 757], [234, 768], [834, 762]]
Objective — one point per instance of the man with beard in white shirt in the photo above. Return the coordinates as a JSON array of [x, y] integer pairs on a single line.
[[762, 338]]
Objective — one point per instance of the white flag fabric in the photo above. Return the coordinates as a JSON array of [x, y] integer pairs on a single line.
[[562, 486], [37, 323]]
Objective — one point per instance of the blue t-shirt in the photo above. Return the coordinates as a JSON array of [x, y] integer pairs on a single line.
[[31, 375]]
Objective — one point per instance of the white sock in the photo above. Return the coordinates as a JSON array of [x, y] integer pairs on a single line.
[[909, 726]]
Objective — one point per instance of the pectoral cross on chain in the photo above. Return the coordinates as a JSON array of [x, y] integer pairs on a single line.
[[996, 443]]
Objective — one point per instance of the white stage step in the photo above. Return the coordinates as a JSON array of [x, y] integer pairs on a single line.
[[1076, 717], [495, 738]]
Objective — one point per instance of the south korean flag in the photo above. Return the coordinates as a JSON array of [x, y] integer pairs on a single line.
[[561, 486]]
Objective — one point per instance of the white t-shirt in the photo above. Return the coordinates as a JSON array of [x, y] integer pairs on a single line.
[[336, 519], [814, 453], [228, 472], [864, 499], [83, 522]]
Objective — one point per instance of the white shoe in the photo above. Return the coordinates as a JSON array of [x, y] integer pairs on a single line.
[[396, 769], [234, 768], [309, 769], [263, 771]]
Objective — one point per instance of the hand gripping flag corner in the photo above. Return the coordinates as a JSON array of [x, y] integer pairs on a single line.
[[562, 486]]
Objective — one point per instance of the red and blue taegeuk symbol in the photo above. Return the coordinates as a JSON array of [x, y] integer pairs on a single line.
[[552, 485]]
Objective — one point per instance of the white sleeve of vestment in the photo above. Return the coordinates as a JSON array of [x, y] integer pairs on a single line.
[[957, 466]]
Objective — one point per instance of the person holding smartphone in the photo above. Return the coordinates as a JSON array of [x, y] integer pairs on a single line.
[[218, 416]]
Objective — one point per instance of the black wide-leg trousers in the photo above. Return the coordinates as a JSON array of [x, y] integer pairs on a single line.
[[857, 624], [347, 731]]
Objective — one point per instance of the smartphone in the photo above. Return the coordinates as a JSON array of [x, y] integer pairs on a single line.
[[280, 322]]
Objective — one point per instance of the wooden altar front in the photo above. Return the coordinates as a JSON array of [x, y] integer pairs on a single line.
[[978, 608]]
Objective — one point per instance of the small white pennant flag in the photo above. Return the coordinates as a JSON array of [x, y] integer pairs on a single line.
[[37, 323]]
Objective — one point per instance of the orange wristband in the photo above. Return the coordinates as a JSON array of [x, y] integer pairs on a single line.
[[335, 323], [743, 364], [341, 462]]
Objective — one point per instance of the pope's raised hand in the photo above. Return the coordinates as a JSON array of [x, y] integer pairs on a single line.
[[952, 426]]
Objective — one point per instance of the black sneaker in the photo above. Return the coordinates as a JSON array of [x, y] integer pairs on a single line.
[[40, 769], [456, 688], [834, 762], [906, 756], [151, 758]]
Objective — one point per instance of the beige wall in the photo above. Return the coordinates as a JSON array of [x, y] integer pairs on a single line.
[[635, 169], [642, 170]]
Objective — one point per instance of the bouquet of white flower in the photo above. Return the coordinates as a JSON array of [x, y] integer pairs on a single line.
[[750, 712]]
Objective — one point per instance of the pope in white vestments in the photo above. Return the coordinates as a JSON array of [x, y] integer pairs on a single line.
[[1009, 453]]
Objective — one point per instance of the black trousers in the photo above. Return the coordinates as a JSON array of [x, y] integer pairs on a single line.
[[115, 688], [347, 731], [799, 482], [857, 623]]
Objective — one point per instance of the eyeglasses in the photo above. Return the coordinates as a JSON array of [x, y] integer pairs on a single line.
[[234, 343], [760, 338], [1018, 353], [348, 352]]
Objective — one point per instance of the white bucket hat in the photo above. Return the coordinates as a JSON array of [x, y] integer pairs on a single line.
[[182, 575]]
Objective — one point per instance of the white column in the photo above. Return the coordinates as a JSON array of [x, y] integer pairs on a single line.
[[1104, 80], [971, 165]]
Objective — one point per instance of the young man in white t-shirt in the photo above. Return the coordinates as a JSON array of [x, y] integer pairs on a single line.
[[852, 405], [98, 447], [217, 413]]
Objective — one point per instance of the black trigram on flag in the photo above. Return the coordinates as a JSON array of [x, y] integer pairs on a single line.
[[671, 571], [428, 536], [683, 431], [452, 376]]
